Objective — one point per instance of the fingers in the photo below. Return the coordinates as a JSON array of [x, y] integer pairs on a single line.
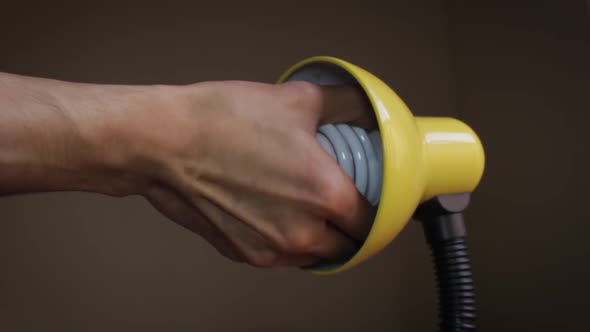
[[335, 245], [308, 240], [331, 245], [173, 206], [251, 245], [346, 104], [238, 242], [305, 242], [344, 206], [347, 209], [331, 103], [353, 215]]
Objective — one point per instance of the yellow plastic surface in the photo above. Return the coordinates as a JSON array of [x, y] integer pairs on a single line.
[[422, 157]]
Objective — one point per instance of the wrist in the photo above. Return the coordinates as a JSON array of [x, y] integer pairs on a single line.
[[156, 129], [60, 136], [110, 154], [38, 146], [111, 139], [135, 136]]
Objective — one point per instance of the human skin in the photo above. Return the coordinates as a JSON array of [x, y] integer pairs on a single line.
[[235, 162]]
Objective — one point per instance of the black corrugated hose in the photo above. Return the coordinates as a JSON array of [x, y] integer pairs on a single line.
[[455, 285], [445, 232]]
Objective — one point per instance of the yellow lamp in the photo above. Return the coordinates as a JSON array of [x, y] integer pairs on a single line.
[[422, 157]]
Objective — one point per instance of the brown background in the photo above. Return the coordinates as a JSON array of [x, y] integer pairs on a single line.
[[516, 71]]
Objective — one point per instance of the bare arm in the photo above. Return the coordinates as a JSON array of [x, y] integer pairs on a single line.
[[58, 136], [236, 162]]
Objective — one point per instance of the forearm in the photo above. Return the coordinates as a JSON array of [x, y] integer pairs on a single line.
[[58, 136], [237, 162]]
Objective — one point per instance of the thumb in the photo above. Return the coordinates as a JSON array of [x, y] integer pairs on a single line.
[[347, 209], [346, 104]]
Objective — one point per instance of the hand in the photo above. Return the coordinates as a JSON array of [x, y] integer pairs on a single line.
[[243, 169], [235, 162]]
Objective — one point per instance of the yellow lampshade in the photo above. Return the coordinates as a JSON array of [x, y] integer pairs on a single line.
[[422, 156]]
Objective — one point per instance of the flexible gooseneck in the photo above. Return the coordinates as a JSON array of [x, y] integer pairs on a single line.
[[444, 228], [360, 155]]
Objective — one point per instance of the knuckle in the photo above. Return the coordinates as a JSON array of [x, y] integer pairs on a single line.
[[300, 240], [304, 94], [333, 193], [263, 258]]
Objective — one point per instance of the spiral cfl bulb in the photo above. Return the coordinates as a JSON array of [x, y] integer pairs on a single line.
[[358, 153]]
